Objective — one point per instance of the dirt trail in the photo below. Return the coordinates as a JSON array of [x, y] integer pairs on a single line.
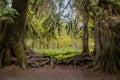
[[59, 73]]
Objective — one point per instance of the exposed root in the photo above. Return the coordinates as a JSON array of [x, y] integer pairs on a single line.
[[36, 60]]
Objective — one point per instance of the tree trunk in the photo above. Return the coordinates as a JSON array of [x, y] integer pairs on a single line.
[[85, 37], [97, 41], [11, 45], [109, 57]]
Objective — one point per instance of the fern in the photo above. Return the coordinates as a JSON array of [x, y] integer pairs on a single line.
[[7, 14]]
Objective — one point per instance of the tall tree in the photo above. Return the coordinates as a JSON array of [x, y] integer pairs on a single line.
[[107, 36], [85, 37], [11, 44], [105, 15], [109, 57], [82, 6], [96, 41]]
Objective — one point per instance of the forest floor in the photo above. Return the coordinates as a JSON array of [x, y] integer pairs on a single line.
[[58, 73]]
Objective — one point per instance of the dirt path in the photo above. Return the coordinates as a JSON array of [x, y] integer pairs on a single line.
[[59, 73]]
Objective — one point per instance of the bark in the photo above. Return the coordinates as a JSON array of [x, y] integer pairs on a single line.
[[7, 57], [109, 57], [85, 37], [11, 44], [97, 41]]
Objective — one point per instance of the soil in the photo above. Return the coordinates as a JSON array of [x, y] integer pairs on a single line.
[[58, 73]]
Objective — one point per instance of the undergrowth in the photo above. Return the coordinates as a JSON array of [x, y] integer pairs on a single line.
[[60, 53]]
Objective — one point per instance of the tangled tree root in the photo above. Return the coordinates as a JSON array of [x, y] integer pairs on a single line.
[[35, 60], [82, 59]]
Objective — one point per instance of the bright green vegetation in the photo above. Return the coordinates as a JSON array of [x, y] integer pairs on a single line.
[[64, 51], [61, 29], [60, 53]]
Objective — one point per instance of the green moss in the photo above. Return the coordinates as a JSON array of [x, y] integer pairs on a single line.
[[60, 53], [20, 55]]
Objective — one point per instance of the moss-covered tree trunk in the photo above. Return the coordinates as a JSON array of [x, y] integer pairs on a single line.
[[109, 57], [96, 41], [11, 44]]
